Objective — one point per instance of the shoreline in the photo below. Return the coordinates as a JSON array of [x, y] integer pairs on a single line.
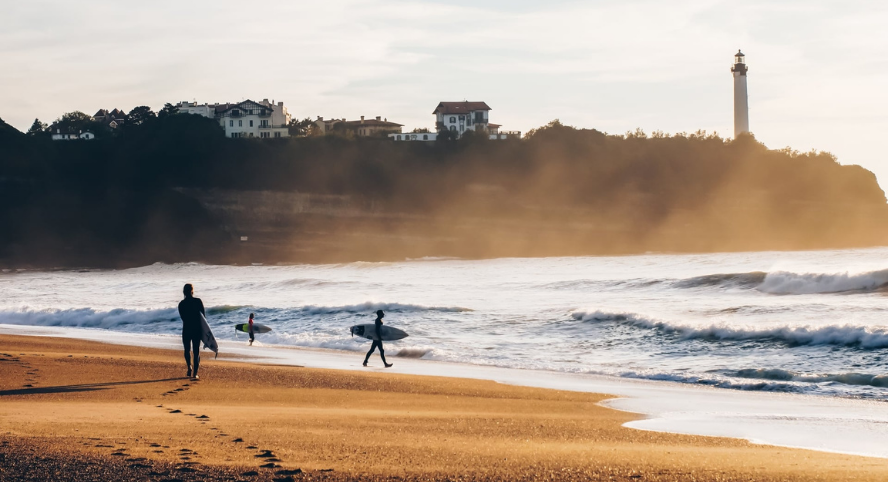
[[90, 404], [825, 424]]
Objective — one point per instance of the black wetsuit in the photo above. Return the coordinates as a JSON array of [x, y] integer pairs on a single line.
[[377, 343], [190, 310]]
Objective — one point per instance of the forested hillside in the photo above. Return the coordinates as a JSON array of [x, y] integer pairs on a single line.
[[175, 189]]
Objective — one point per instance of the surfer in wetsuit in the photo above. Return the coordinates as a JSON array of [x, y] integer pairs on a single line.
[[252, 336], [378, 341], [190, 310]]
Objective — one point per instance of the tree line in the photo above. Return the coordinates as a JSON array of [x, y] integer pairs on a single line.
[[560, 190]]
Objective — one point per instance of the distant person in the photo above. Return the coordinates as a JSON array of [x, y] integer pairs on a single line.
[[252, 336], [378, 341], [190, 310]]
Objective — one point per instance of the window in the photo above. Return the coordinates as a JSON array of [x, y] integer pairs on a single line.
[[479, 117], [453, 120], [413, 137], [425, 137], [277, 134], [251, 134], [462, 118], [453, 128], [231, 123], [240, 123], [251, 123], [397, 138]]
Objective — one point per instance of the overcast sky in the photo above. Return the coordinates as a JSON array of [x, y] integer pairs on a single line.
[[818, 70]]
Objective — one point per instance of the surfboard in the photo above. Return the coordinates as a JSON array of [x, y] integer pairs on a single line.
[[257, 328], [368, 331], [209, 341]]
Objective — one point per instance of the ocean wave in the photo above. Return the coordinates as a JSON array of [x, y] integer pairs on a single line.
[[369, 307], [851, 378], [726, 280], [90, 318], [720, 382], [787, 283], [836, 335]]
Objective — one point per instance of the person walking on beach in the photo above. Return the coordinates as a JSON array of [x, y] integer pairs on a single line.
[[190, 310], [378, 341], [252, 336]]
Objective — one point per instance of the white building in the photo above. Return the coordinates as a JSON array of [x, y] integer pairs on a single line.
[[741, 99], [459, 117], [205, 110], [263, 119], [59, 134]]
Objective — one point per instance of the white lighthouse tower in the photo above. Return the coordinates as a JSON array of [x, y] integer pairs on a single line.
[[741, 100]]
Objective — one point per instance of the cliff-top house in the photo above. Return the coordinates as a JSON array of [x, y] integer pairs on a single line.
[[263, 120]]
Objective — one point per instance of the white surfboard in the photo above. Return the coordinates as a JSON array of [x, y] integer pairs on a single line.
[[368, 331], [206, 336]]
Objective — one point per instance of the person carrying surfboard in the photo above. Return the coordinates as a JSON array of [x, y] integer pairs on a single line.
[[190, 310], [252, 336], [377, 342]]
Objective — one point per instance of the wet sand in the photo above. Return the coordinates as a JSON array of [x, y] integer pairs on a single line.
[[79, 410]]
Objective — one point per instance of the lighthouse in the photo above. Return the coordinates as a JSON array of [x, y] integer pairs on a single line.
[[741, 100]]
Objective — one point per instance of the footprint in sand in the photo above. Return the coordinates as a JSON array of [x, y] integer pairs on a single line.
[[175, 411], [154, 445], [239, 440], [289, 472]]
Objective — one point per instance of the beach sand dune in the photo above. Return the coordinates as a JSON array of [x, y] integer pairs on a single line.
[[90, 411]]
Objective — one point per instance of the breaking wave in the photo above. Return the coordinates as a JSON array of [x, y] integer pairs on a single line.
[[835, 335], [789, 283], [89, 318], [851, 378], [785, 283], [370, 307]]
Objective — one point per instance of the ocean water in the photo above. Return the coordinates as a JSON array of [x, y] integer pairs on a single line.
[[812, 322]]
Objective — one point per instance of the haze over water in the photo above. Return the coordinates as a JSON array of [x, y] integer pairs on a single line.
[[807, 322]]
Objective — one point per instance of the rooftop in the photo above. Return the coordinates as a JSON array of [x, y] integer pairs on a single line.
[[463, 107]]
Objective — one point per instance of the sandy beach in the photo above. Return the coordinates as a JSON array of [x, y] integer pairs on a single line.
[[80, 410]]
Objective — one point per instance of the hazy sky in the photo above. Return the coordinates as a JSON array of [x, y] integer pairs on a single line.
[[818, 70]]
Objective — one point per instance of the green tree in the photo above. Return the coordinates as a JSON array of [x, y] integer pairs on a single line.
[[301, 128], [139, 115], [38, 128], [75, 121], [168, 110]]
